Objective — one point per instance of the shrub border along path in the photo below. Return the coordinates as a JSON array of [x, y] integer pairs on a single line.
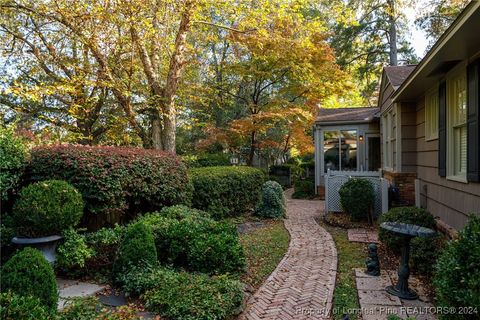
[[302, 285]]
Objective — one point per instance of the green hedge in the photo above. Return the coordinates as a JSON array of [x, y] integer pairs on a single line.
[[457, 273], [28, 273], [357, 198], [226, 191], [13, 156], [46, 208], [273, 203], [196, 243], [185, 296], [114, 180]]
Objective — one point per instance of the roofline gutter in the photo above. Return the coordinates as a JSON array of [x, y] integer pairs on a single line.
[[346, 122], [466, 13]]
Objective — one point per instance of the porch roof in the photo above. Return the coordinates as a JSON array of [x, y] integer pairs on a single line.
[[347, 115]]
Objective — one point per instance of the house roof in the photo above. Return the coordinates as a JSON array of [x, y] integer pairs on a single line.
[[347, 115], [397, 74], [458, 43]]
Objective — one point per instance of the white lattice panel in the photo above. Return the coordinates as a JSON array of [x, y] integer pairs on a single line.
[[335, 179]]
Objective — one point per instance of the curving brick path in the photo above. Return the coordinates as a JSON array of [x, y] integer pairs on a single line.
[[302, 285]]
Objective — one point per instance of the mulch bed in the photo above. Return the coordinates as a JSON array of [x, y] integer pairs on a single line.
[[342, 220]]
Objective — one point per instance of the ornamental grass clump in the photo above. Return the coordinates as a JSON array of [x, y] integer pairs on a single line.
[[28, 273], [47, 208], [457, 273], [273, 203], [357, 198]]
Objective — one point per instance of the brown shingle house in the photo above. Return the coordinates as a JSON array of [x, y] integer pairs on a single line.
[[429, 124]]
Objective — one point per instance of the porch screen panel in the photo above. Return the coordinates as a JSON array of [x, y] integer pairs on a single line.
[[331, 150], [349, 150]]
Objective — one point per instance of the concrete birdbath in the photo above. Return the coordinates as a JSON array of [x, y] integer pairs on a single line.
[[406, 232]]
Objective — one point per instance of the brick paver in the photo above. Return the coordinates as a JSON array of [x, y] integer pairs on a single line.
[[302, 285]]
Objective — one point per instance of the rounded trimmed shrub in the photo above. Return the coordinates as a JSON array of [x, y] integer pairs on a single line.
[[13, 154], [357, 197], [136, 250], [14, 307], [273, 203], [457, 272], [28, 273], [46, 208], [303, 189], [226, 191], [216, 251], [115, 181], [410, 215]]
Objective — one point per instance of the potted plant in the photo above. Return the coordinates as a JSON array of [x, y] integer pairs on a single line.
[[42, 211]]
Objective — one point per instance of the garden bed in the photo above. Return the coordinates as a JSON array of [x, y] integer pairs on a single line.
[[264, 248]]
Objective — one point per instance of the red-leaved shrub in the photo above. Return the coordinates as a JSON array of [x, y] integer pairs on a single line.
[[114, 181]]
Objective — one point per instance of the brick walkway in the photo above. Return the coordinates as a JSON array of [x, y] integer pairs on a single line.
[[302, 285]]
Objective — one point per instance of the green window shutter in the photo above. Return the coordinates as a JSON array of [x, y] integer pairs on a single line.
[[473, 120], [442, 129]]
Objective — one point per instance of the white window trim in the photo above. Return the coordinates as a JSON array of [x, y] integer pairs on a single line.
[[457, 71], [430, 133]]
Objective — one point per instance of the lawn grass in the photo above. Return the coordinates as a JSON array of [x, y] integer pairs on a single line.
[[264, 248], [350, 255]]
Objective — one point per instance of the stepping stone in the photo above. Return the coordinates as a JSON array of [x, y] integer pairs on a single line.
[[377, 304], [362, 235], [113, 300], [72, 289]]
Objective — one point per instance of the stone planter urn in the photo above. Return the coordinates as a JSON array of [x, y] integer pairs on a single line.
[[47, 245]]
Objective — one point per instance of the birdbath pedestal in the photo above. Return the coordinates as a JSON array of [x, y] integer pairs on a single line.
[[406, 232]]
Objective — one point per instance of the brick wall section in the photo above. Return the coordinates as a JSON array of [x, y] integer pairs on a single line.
[[405, 182]]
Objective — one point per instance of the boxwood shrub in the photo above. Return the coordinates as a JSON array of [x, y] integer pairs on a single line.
[[226, 191], [114, 179], [303, 188], [273, 203], [357, 197], [137, 249], [185, 296], [46, 208], [457, 272], [28, 273]]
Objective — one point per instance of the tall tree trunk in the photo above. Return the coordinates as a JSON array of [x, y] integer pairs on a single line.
[[392, 33], [156, 124], [253, 147], [177, 63]]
